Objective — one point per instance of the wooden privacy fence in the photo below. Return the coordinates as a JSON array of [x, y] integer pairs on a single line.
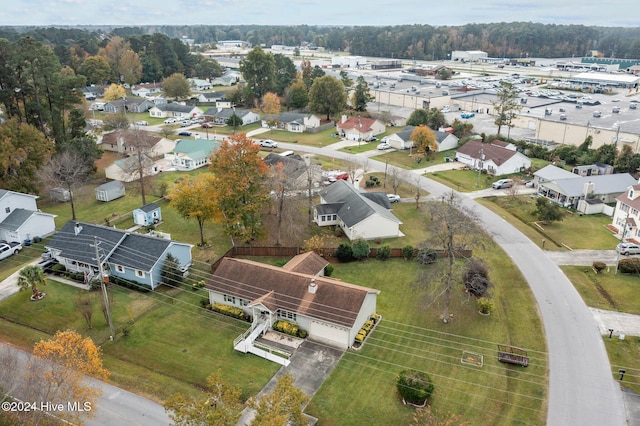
[[326, 252]]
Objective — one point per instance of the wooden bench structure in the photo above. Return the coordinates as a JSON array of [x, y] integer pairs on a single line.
[[512, 355]]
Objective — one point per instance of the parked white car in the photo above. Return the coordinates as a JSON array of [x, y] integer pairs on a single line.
[[393, 198], [9, 249], [170, 120], [268, 143], [502, 183], [384, 145], [141, 123]]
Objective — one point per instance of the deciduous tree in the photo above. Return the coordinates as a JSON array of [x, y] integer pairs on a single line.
[[221, 405], [259, 71], [84, 304], [282, 406], [298, 95], [96, 69], [424, 140], [176, 86], [271, 103], [193, 197], [506, 104], [327, 96], [114, 91], [130, 67], [548, 212], [239, 186]]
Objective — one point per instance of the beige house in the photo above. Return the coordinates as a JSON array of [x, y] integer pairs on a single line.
[[359, 128]]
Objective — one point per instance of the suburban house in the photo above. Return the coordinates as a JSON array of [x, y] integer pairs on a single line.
[[199, 85], [359, 128], [295, 168], [93, 92], [127, 255], [176, 110], [402, 139], [626, 216], [128, 169], [211, 97], [20, 218], [229, 78], [149, 214], [593, 169], [582, 192], [191, 154], [133, 105], [110, 191], [360, 215], [221, 115], [126, 142], [330, 310], [291, 121], [492, 158], [146, 89]]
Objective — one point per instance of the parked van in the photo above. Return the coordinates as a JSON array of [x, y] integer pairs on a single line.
[[597, 114], [615, 110]]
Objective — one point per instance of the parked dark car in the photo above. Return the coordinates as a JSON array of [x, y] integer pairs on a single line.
[[185, 133]]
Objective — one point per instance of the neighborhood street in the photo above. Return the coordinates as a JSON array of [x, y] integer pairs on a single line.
[[582, 390]]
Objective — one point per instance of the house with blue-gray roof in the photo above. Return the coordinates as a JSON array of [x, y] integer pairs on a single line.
[[126, 255], [360, 215], [291, 121], [191, 154], [20, 218]]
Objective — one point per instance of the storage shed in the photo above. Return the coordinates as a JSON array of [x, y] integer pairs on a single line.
[[110, 191], [148, 214], [60, 195]]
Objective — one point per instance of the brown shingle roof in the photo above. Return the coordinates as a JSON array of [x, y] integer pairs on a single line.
[[277, 288], [309, 263], [476, 149], [362, 124]]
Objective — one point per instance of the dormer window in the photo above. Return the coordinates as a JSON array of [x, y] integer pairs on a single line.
[[631, 193]]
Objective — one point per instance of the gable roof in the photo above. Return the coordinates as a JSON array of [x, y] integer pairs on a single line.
[[405, 134], [114, 184], [176, 107], [18, 217], [196, 148], [226, 113], [289, 117], [120, 247], [624, 197], [361, 124], [602, 184], [130, 164], [6, 192], [355, 207], [149, 207], [277, 288], [293, 167], [309, 263], [478, 150], [551, 172]]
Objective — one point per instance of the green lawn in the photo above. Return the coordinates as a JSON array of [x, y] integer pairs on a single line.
[[576, 232], [362, 147], [319, 139], [362, 388], [405, 159]]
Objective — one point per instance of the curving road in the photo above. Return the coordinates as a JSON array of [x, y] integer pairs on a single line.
[[581, 388]]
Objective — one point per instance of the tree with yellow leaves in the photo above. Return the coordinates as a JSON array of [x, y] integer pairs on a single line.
[[271, 103], [193, 199], [113, 92], [239, 187], [57, 374], [424, 140], [282, 406]]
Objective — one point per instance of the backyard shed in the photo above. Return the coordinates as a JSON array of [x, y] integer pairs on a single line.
[[148, 214], [60, 195], [110, 191]]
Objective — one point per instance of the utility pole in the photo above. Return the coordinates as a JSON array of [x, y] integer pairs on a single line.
[[103, 280], [624, 231]]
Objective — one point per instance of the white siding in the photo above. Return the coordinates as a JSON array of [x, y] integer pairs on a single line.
[[375, 226], [329, 334]]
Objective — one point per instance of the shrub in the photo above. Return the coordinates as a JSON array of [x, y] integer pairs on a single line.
[[204, 302], [384, 252], [415, 387], [370, 184], [361, 249], [427, 256], [328, 270], [629, 266], [476, 278], [58, 269], [289, 328], [344, 252], [485, 305], [229, 310], [129, 284], [374, 318], [599, 266], [407, 252]]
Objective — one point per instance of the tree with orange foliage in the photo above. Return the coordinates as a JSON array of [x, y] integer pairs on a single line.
[[424, 140], [57, 374], [271, 103], [192, 198], [239, 187]]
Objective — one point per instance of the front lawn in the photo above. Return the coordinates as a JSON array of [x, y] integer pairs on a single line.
[[407, 159], [320, 139]]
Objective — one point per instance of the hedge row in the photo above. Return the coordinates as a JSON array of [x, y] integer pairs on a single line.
[[231, 311], [289, 328]]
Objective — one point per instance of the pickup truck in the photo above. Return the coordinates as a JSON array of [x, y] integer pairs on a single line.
[[9, 249]]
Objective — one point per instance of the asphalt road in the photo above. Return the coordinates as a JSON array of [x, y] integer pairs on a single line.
[[581, 388], [115, 406]]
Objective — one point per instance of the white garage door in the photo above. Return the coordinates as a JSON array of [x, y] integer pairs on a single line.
[[329, 334]]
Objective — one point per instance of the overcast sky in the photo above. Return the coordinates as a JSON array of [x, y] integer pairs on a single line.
[[316, 12]]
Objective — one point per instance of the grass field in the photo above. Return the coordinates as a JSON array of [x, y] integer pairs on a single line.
[[405, 159]]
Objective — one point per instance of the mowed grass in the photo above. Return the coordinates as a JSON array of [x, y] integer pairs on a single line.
[[407, 159], [361, 390], [576, 232], [320, 139]]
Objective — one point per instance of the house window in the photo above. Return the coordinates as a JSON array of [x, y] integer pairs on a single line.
[[243, 302], [7, 210], [335, 217], [631, 193], [230, 299], [120, 268], [287, 315], [634, 212], [139, 273]]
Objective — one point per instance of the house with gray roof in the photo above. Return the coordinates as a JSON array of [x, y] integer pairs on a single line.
[[360, 215], [134, 105], [110, 191], [402, 139], [128, 255], [492, 158], [149, 214], [176, 110], [229, 78], [20, 218], [221, 115], [191, 154], [295, 168], [128, 169], [291, 121]]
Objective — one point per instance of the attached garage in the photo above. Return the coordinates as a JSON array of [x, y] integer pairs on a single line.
[[329, 334]]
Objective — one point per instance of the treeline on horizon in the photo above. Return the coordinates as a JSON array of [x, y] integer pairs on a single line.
[[419, 42]]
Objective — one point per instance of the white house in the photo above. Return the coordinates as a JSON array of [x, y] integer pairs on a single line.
[[175, 109], [128, 169], [221, 115], [20, 218], [359, 128], [330, 310], [494, 159], [626, 216], [291, 121], [360, 215], [146, 89], [229, 78], [199, 85], [191, 154], [402, 139]]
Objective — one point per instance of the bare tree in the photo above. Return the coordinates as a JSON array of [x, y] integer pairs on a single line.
[[395, 178], [66, 170], [84, 305], [281, 186], [418, 191], [453, 230], [139, 145], [357, 170]]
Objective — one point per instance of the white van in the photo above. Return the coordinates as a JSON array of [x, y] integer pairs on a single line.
[[446, 108]]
